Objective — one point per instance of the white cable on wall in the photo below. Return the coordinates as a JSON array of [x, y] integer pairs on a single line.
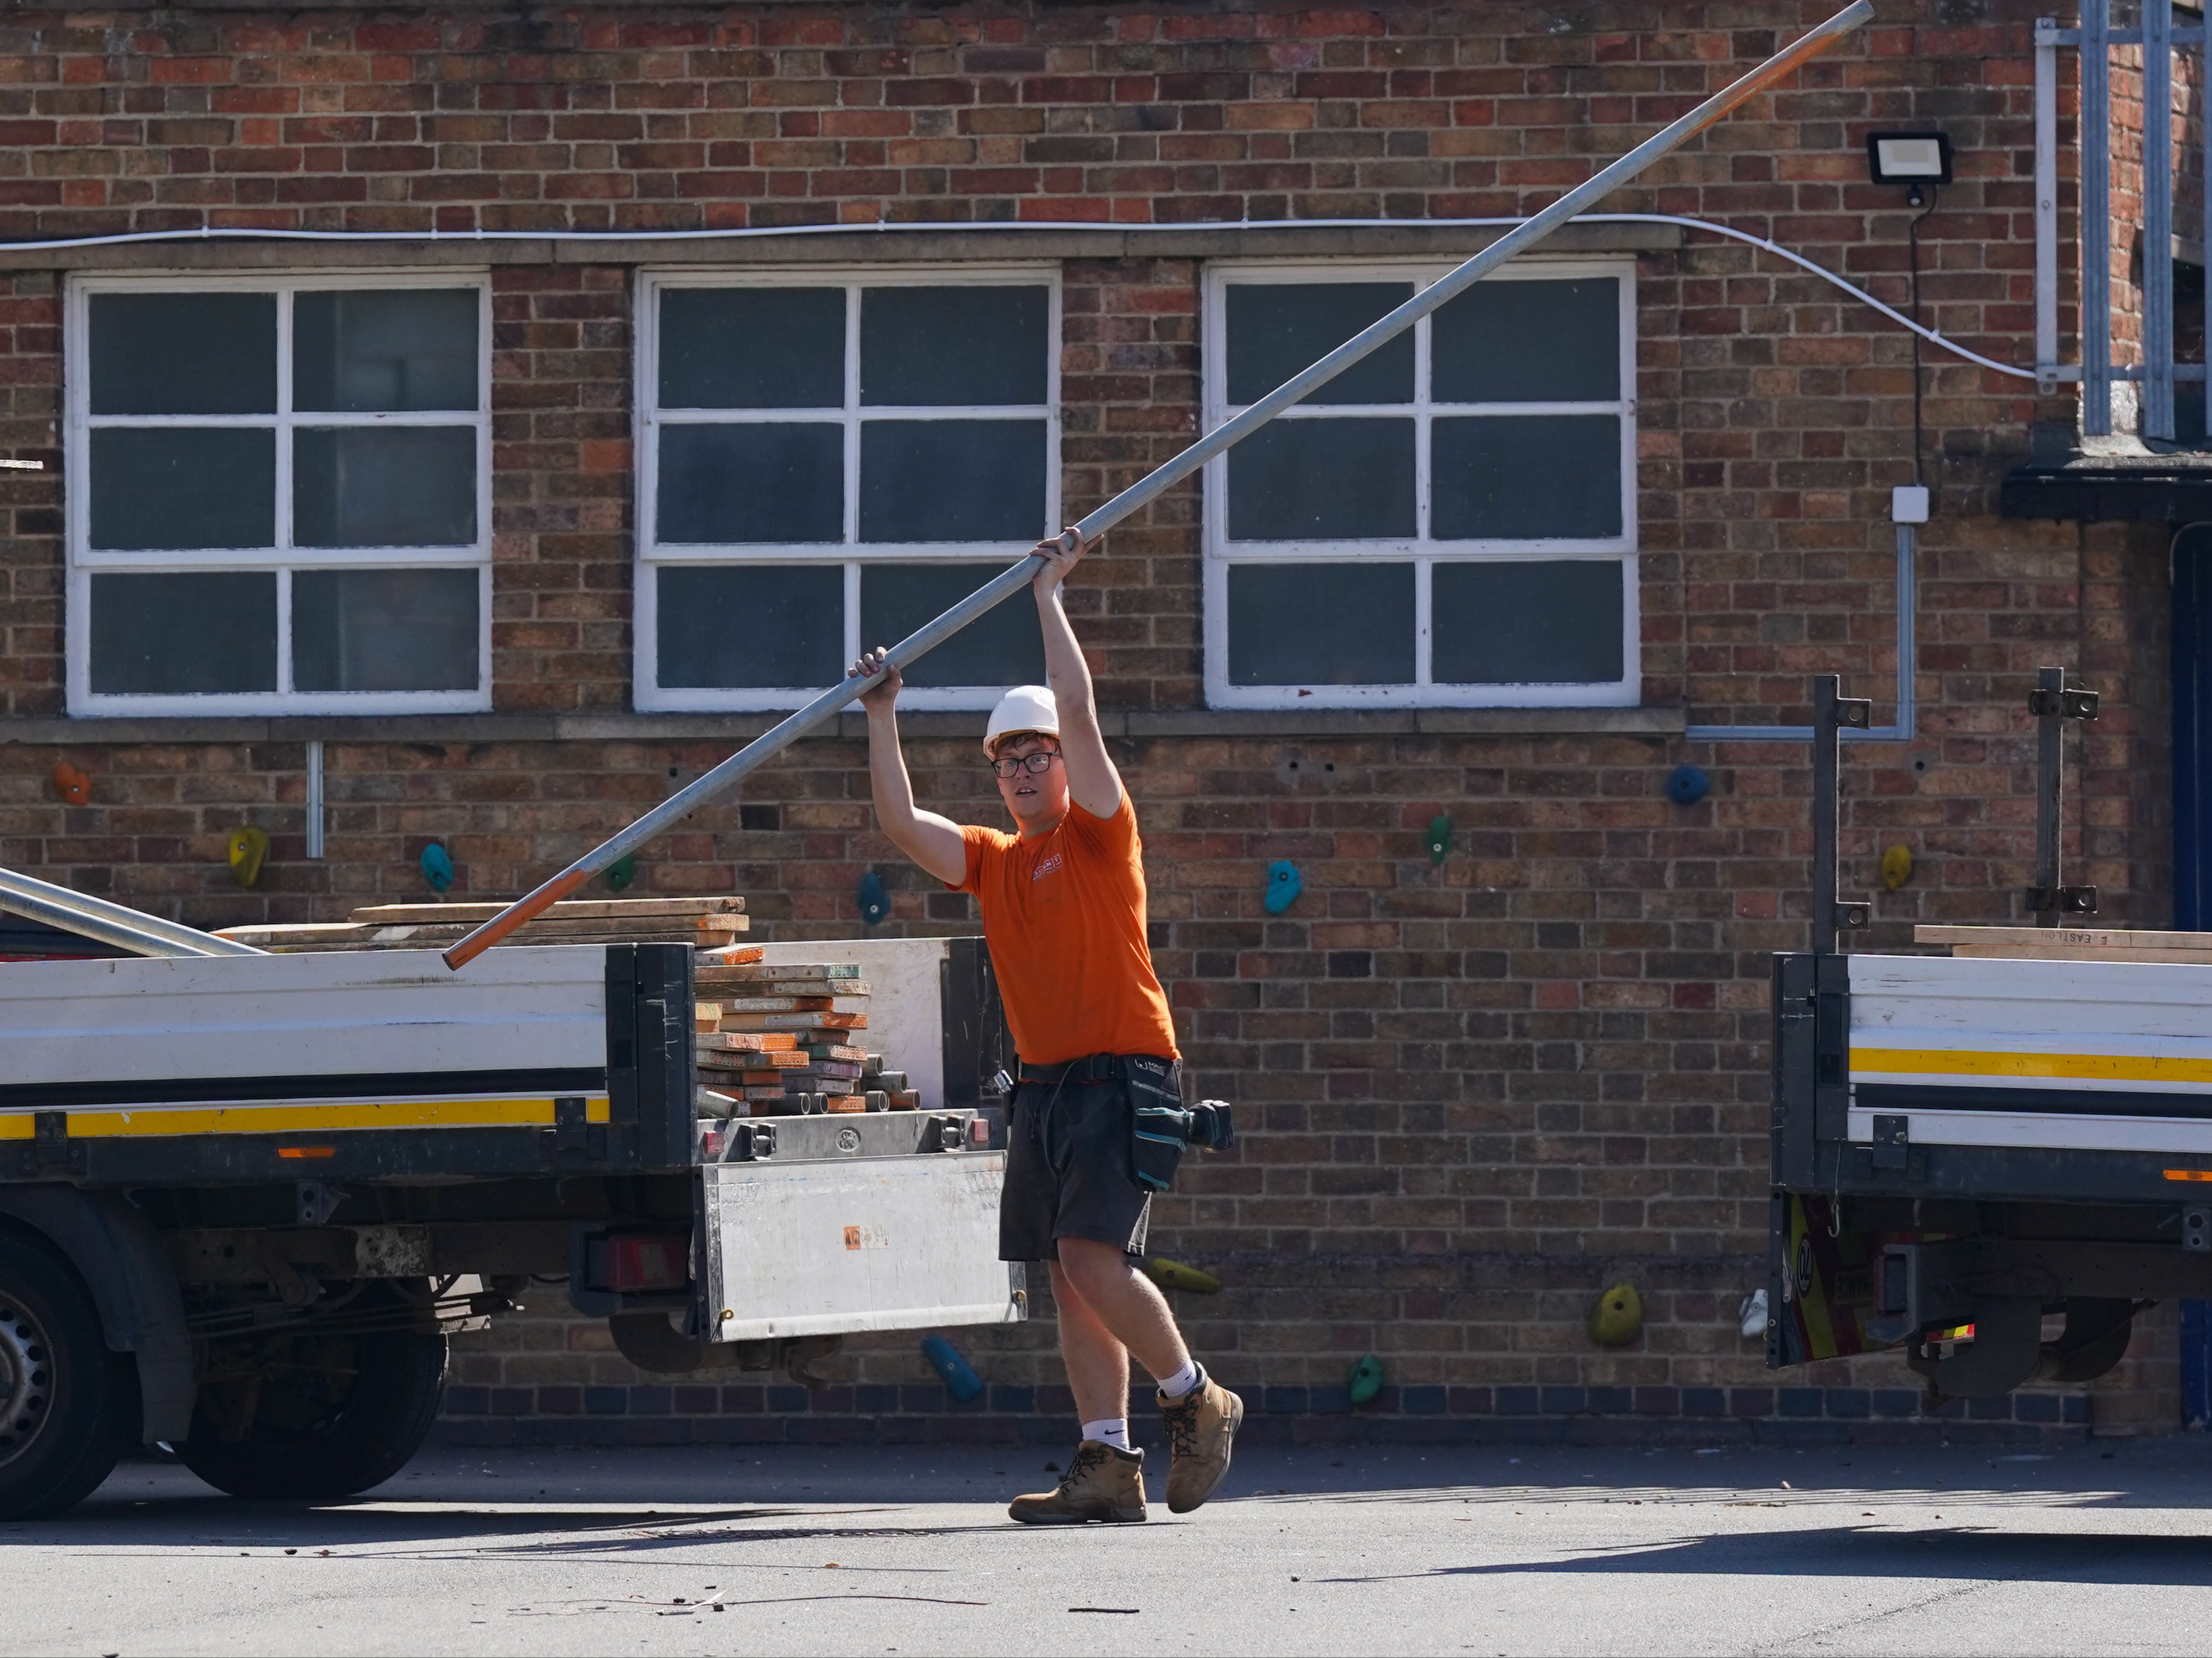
[[777, 232]]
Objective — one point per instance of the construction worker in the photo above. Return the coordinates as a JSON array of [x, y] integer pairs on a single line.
[[1063, 907]]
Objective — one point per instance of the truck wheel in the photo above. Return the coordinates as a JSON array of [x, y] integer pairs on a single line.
[[306, 1418], [67, 1403]]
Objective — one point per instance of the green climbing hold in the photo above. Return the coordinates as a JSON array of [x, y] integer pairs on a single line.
[[1365, 1380], [1439, 841], [621, 873]]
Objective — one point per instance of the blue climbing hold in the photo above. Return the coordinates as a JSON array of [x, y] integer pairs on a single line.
[[437, 866], [1284, 885], [875, 903], [961, 1382], [1687, 785]]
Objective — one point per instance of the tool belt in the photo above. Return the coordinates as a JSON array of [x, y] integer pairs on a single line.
[[1160, 1128]]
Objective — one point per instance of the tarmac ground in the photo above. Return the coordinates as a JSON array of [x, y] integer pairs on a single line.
[[2095, 1548]]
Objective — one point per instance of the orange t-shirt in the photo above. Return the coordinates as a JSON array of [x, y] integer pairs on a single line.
[[1064, 920]]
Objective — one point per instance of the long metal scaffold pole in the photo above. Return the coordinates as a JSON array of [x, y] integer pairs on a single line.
[[679, 806], [111, 924]]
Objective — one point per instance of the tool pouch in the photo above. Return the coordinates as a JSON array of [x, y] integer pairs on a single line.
[[1159, 1126]]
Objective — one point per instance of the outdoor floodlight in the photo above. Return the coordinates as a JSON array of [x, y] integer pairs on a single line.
[[1914, 160]]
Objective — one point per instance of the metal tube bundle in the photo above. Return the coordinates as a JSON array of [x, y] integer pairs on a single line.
[[679, 806]]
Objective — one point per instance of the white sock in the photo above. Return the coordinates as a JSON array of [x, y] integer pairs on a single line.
[[1110, 1430], [1182, 1380]]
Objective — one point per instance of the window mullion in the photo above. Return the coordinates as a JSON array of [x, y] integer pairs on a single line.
[[283, 519]]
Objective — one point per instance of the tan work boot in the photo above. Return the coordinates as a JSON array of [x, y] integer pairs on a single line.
[[1103, 1482], [1200, 1425]]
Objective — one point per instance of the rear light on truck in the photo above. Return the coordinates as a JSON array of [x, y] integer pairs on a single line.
[[634, 1263]]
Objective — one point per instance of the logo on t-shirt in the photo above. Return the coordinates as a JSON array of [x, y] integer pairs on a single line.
[[1048, 867]]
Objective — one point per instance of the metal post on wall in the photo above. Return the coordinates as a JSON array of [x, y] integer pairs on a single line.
[[2096, 219], [2053, 702], [314, 799], [2156, 420], [1831, 713]]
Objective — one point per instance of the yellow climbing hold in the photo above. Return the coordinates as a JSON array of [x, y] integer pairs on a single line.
[[246, 849], [1618, 1317], [1896, 866], [1174, 1275]]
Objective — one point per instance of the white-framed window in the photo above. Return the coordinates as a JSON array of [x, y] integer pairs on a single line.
[[1452, 521], [279, 493], [827, 459]]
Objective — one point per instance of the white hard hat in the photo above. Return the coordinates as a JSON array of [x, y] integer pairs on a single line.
[[1025, 708]]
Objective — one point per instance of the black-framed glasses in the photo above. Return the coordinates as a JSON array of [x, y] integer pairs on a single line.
[[1037, 765]]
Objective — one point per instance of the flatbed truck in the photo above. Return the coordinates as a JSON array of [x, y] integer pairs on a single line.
[[245, 1198], [1991, 1162]]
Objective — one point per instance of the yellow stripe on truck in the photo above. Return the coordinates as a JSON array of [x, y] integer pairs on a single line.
[[292, 1117], [2069, 1067]]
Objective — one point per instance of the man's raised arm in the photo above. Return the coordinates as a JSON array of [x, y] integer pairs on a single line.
[[1093, 782], [931, 841]]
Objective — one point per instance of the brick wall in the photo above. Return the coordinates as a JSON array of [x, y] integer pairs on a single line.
[[1480, 1091]]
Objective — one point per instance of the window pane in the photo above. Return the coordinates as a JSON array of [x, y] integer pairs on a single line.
[[1529, 342], [1276, 328], [1552, 623], [196, 633], [1320, 624], [952, 480], [1531, 477], [1004, 646], [721, 485], [183, 354], [182, 486], [1301, 480], [384, 630], [752, 348], [954, 345], [761, 626], [384, 486], [386, 348]]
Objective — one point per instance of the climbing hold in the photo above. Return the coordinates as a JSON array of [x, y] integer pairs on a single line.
[[437, 866], [72, 784], [961, 1382], [1439, 841], [621, 873], [1687, 785], [1618, 1317], [247, 848], [1365, 1380], [1284, 885], [875, 903], [1896, 866], [1174, 1275]]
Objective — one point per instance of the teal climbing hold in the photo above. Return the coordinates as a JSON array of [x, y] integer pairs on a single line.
[[1284, 885], [1365, 1380], [1438, 840], [621, 873], [437, 866], [875, 903]]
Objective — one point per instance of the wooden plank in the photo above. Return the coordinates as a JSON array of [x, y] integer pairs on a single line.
[[615, 909], [2058, 937], [794, 1022]]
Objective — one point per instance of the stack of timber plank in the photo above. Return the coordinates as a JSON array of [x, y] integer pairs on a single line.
[[2066, 943], [704, 923], [788, 1040]]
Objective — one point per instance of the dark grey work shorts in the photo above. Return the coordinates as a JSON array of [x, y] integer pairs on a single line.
[[1069, 1171]]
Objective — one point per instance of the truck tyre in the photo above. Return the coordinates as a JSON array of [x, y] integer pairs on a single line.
[[308, 1417], [68, 1405]]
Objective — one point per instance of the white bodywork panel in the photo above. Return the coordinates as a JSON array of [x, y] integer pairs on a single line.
[[2094, 1037], [874, 1243], [337, 1013], [906, 1000]]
